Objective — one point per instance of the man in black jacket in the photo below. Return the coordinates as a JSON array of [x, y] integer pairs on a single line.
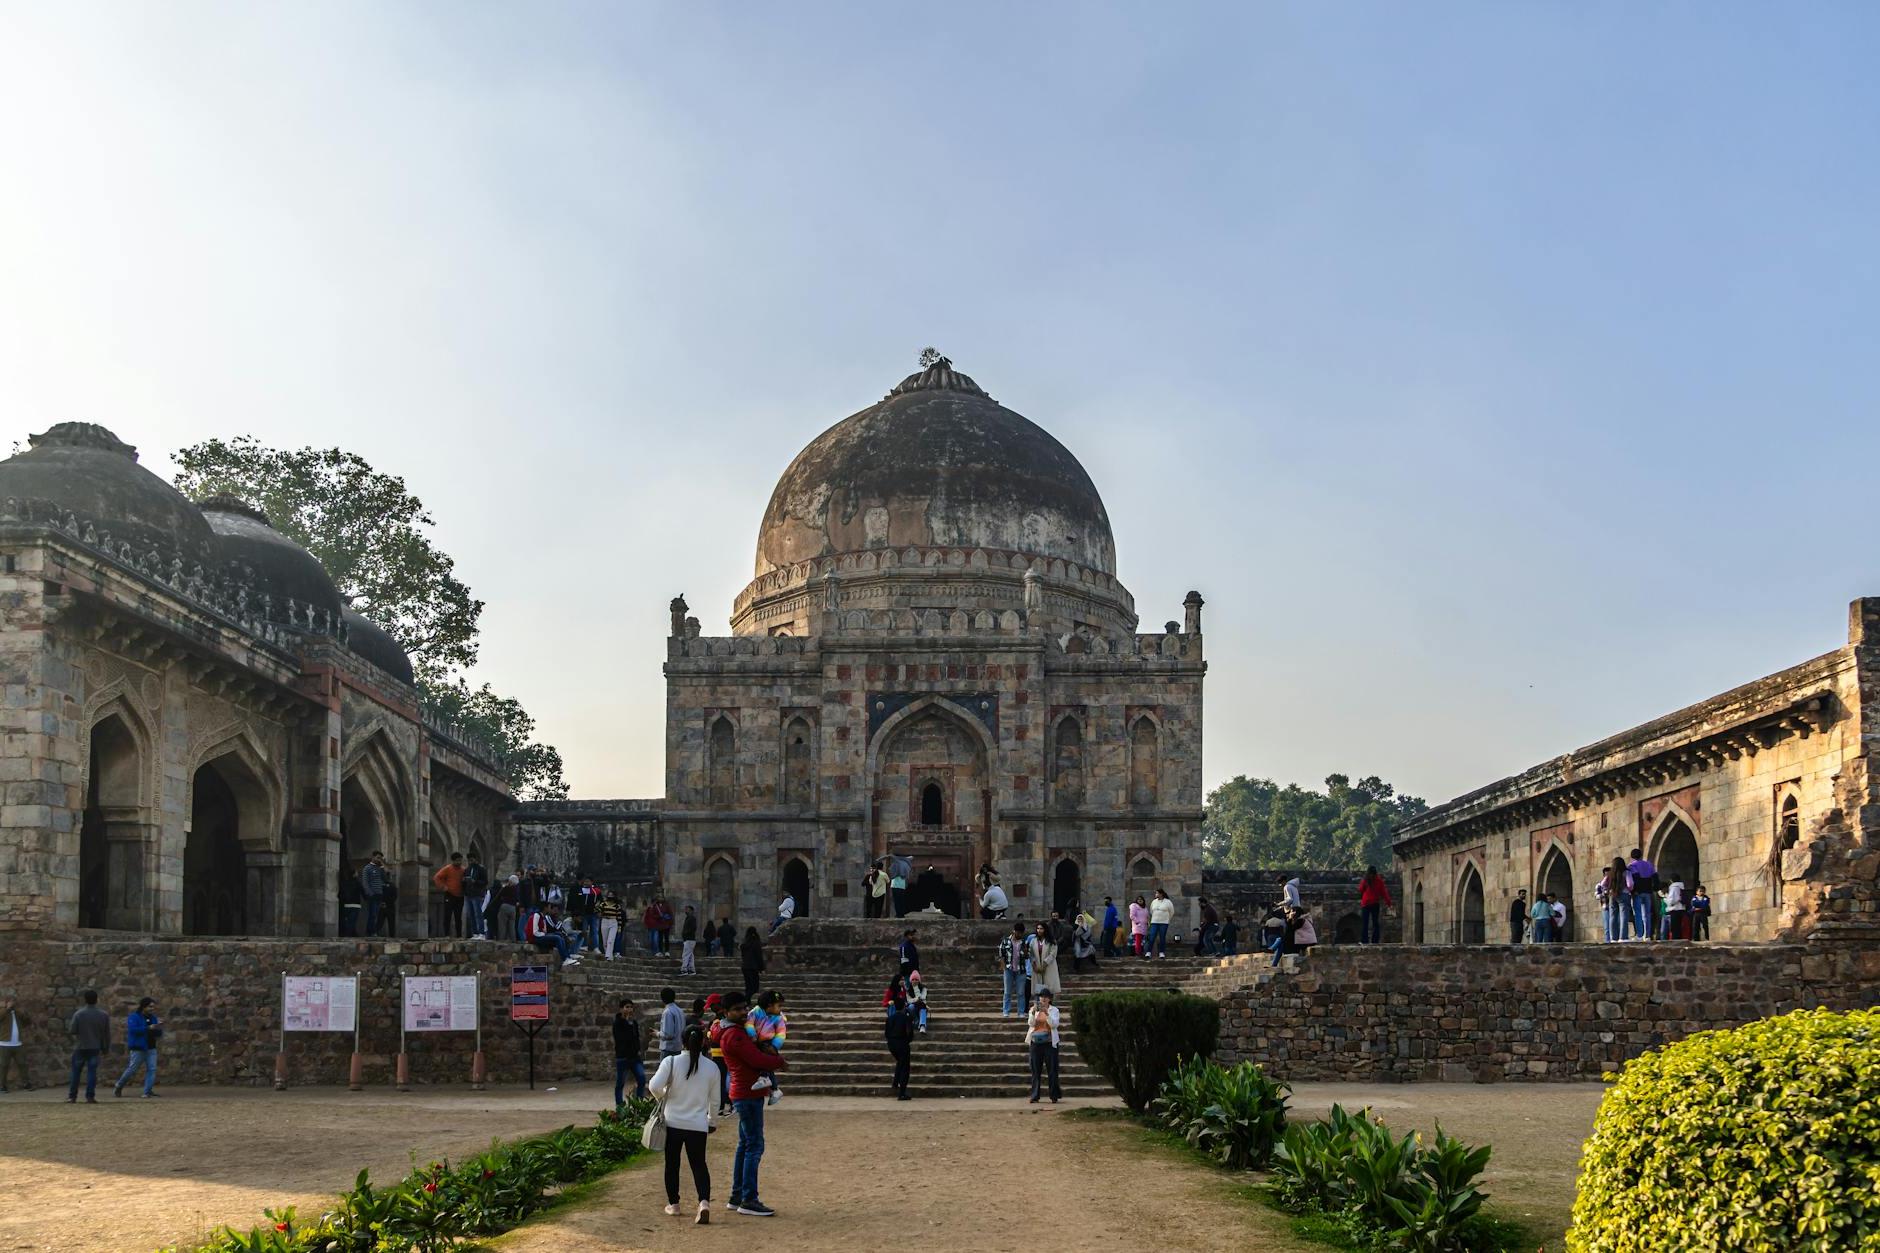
[[627, 1053], [91, 1036], [909, 953], [1518, 917]]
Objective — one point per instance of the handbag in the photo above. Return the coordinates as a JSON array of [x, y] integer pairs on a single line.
[[653, 1134]]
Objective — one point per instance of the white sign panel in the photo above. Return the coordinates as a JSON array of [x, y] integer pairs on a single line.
[[319, 1002], [440, 1002]]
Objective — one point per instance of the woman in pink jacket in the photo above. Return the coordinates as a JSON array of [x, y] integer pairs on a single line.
[[1138, 924]]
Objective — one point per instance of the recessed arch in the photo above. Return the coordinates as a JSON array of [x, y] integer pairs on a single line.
[[1067, 762], [1556, 877], [799, 758], [1066, 885], [1470, 924], [1673, 849], [1145, 761], [1788, 834], [796, 880], [116, 835], [721, 888]]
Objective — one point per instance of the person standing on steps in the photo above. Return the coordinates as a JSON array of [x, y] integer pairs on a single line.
[[687, 1085], [611, 916], [372, 881], [1139, 926], [909, 953], [1518, 917], [1112, 921], [1700, 921], [898, 1030], [90, 1028], [1373, 900], [13, 1026], [1161, 914], [1541, 915], [1041, 1040], [727, 939], [1043, 952], [1230, 936], [1012, 972], [751, 960], [688, 942], [746, 1061], [870, 898], [449, 881], [142, 1030], [627, 1052], [897, 889], [1644, 894], [1210, 925]]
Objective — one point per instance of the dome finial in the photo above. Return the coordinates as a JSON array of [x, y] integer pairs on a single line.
[[930, 357], [936, 373]]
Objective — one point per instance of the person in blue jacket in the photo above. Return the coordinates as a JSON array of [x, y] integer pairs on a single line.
[[142, 1030], [1112, 920]]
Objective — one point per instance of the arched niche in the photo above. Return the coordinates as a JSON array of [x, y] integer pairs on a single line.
[[117, 831], [1471, 916]]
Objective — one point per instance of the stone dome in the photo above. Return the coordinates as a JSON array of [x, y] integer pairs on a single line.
[[267, 561], [84, 470], [936, 463], [373, 642]]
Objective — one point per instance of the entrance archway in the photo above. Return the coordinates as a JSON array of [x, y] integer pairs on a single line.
[[112, 798], [1066, 883], [1556, 878], [214, 882], [1418, 899], [1674, 854], [1469, 913], [937, 885], [796, 883]]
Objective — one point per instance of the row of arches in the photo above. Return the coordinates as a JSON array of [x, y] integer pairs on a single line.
[[1673, 850], [1067, 761], [797, 784]]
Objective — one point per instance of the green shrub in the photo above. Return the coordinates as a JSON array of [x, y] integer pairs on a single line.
[[1233, 1114], [1134, 1039], [1765, 1136], [1384, 1191]]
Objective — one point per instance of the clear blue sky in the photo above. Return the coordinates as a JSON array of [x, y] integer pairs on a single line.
[[1502, 374]]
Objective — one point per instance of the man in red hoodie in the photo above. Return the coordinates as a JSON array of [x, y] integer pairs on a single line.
[[745, 1061], [1373, 900]]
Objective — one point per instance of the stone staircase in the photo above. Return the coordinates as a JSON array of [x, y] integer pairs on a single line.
[[836, 1046]]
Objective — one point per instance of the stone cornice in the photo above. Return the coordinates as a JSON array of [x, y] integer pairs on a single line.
[[1739, 723]]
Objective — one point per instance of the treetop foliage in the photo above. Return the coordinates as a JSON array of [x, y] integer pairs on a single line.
[[1255, 824]]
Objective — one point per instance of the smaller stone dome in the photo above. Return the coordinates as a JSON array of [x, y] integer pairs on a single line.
[[82, 469], [374, 643], [255, 553]]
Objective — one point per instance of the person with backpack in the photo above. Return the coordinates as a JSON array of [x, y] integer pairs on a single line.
[[687, 1086], [1644, 893], [142, 1030], [476, 899], [898, 1030]]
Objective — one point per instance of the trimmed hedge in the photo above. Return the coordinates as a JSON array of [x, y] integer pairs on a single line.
[[1134, 1039], [1762, 1137]]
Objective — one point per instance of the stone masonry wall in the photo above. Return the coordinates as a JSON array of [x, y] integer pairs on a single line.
[[1331, 896], [220, 1001], [1539, 1012]]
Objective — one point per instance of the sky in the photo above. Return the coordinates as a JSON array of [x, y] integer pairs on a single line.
[[1500, 373]]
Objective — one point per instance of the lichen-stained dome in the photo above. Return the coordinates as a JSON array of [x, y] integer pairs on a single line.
[[267, 561], [936, 463], [373, 642], [83, 470]]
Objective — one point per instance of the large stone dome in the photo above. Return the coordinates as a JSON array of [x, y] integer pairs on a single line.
[[936, 463], [81, 469], [266, 560]]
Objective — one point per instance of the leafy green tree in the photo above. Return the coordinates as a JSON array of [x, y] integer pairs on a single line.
[[373, 537], [1254, 824]]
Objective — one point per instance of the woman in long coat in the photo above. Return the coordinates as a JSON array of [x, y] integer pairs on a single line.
[[1044, 963]]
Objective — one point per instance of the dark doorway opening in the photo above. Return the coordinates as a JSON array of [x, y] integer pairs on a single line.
[[796, 883], [1066, 882], [214, 882], [1557, 879], [1676, 857], [933, 887], [933, 806], [1469, 916], [1348, 931]]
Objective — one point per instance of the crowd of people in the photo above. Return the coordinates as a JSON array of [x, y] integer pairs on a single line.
[[1635, 901]]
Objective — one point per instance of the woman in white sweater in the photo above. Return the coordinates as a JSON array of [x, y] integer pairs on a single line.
[[687, 1087]]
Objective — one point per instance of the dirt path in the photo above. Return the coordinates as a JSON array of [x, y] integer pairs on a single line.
[[126, 1176], [960, 1175]]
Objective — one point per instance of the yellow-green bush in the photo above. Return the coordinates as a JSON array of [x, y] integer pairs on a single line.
[[1764, 1137]]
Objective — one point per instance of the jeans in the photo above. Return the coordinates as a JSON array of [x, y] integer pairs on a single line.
[[85, 1060], [474, 922], [652, 940], [688, 960], [1543, 930], [780, 921], [1371, 924], [1204, 940], [624, 1066], [750, 1148], [1044, 1060], [147, 1058], [1158, 939], [13, 1058], [1277, 945], [555, 942], [693, 1145], [375, 906], [1011, 1000], [1609, 918], [1642, 914]]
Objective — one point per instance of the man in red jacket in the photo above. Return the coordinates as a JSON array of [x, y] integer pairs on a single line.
[[745, 1061], [1373, 900]]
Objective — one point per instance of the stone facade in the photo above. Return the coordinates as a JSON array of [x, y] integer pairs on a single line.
[[934, 660], [615, 842], [221, 1007], [1765, 794], [1331, 896], [197, 737], [1536, 1012]]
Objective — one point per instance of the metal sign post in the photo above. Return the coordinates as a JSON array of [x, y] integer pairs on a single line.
[[528, 1006]]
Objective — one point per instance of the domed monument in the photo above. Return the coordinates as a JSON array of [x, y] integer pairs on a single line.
[[934, 661]]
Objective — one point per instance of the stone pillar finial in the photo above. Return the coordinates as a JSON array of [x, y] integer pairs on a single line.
[[1191, 616], [678, 608], [1863, 622], [689, 628]]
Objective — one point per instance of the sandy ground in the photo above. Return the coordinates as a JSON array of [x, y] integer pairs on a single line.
[[956, 1175], [1536, 1129], [126, 1176]]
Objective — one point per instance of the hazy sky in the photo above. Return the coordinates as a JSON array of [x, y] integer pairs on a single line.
[[1502, 374]]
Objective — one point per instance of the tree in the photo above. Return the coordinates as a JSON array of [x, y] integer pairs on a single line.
[[366, 528], [372, 535], [1254, 824]]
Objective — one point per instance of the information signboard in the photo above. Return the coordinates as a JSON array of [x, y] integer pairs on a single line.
[[440, 1002], [319, 1002], [528, 994]]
